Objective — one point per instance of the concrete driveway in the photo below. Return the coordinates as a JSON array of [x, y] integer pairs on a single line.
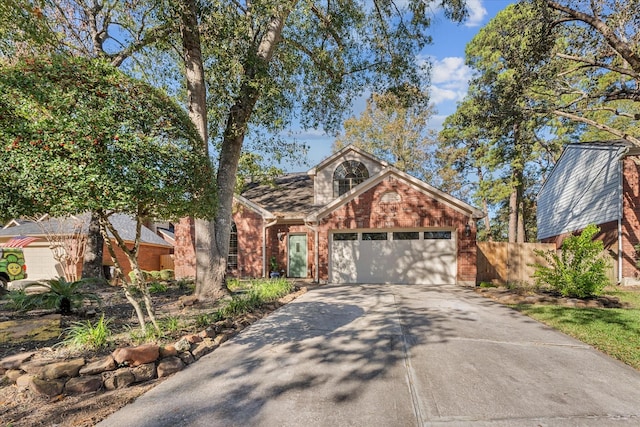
[[394, 355]]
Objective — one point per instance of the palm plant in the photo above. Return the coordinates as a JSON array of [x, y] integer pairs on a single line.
[[61, 295]]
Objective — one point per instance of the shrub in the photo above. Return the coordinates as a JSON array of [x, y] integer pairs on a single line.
[[17, 299], [60, 295], [580, 269], [157, 287], [271, 290], [166, 275], [85, 335]]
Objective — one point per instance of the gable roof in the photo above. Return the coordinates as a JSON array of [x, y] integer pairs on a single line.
[[124, 224], [290, 196], [415, 183], [349, 148]]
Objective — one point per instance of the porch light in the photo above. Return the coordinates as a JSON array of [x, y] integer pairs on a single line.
[[281, 235], [467, 230]]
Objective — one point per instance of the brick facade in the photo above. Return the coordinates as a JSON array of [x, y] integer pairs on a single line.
[[630, 216], [415, 211], [148, 257]]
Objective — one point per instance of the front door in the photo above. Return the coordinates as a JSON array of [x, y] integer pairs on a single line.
[[297, 255]]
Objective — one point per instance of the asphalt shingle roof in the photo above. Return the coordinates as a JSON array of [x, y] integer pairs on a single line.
[[290, 196], [124, 224]]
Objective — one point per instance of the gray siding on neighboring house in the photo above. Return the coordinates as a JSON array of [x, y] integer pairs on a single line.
[[583, 188]]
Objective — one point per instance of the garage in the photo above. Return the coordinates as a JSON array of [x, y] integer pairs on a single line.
[[40, 262], [420, 256]]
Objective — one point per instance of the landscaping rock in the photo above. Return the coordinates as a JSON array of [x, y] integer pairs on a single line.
[[120, 378], [13, 374], [193, 338], [34, 367], [14, 362], [99, 366], [68, 368], [168, 351], [182, 345], [135, 356], [36, 385], [144, 372], [202, 348], [210, 332], [81, 385], [169, 366], [188, 300], [186, 358]]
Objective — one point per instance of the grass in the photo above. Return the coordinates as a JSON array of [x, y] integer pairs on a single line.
[[86, 335], [248, 295], [614, 331]]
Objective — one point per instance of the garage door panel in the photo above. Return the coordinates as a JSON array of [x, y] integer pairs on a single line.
[[40, 263], [394, 261]]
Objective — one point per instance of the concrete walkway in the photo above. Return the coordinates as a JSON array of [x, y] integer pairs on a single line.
[[394, 355]]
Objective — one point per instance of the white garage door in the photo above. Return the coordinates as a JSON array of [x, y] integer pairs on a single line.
[[395, 256], [40, 263]]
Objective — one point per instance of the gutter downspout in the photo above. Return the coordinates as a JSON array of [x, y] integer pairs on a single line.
[[620, 210], [264, 245]]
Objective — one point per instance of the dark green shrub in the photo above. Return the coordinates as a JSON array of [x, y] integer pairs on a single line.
[[157, 287], [580, 270]]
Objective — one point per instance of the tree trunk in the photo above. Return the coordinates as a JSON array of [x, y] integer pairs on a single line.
[[513, 216], [237, 121], [92, 263], [485, 207], [521, 238], [209, 275]]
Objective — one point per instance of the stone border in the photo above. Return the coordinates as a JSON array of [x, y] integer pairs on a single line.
[[126, 365]]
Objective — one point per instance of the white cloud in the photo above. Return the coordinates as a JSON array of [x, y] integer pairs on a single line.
[[449, 79], [477, 12], [450, 69]]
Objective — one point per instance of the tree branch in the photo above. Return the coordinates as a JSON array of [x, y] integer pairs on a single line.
[[327, 23], [625, 71], [623, 49], [153, 35], [613, 131]]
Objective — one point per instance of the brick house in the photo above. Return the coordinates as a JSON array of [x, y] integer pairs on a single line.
[[153, 253], [351, 219], [596, 183]]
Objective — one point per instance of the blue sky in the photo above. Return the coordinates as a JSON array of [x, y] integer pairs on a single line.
[[449, 75]]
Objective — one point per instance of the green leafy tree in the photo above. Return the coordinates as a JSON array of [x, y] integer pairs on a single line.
[[260, 65], [597, 51], [504, 141], [395, 129], [78, 135], [579, 270]]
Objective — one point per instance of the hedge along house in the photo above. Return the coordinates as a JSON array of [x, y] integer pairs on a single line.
[[351, 219], [596, 183]]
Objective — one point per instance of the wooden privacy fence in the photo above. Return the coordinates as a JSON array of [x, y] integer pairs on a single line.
[[502, 262]]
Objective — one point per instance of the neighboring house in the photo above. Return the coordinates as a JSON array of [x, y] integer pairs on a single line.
[[40, 261], [351, 219], [595, 183]]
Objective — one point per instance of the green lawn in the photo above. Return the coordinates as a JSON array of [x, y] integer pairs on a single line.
[[614, 331]]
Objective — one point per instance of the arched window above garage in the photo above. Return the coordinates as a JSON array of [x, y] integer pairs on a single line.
[[348, 175]]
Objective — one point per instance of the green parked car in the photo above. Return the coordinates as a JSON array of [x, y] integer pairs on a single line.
[[12, 266]]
